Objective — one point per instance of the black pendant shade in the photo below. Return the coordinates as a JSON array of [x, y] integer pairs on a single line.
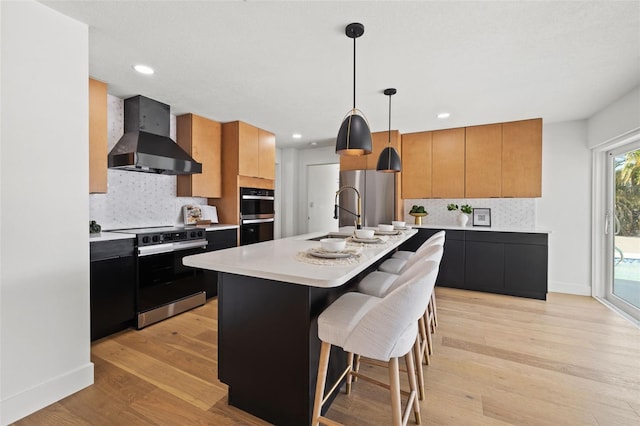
[[354, 136], [389, 160]]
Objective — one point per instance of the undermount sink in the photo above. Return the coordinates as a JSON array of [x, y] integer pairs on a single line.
[[330, 235]]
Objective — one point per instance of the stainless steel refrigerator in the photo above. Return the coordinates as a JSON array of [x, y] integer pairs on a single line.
[[378, 193]]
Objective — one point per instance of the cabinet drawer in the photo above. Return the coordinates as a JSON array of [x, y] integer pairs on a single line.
[[507, 237], [102, 250]]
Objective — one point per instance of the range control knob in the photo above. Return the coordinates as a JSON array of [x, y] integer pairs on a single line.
[[193, 234], [200, 234], [145, 240], [155, 238]]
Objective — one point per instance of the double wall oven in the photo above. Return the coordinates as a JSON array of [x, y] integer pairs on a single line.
[[256, 215], [165, 287]]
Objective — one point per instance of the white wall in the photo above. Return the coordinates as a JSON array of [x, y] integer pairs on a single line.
[[44, 267], [288, 161], [565, 206], [616, 119]]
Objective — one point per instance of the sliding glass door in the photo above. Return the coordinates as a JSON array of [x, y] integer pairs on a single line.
[[623, 228]]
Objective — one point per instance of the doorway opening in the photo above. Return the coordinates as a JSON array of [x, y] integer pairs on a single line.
[[323, 181]]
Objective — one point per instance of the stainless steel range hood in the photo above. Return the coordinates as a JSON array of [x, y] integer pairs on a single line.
[[146, 145]]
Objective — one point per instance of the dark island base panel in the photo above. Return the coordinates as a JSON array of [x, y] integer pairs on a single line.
[[269, 348], [509, 263]]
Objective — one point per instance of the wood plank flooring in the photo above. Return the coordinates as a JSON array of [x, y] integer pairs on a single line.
[[498, 360]]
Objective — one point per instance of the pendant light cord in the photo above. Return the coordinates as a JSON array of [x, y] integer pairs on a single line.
[[354, 73], [389, 120]]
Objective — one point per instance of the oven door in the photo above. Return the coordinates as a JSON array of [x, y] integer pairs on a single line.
[[256, 230], [256, 203], [163, 279]]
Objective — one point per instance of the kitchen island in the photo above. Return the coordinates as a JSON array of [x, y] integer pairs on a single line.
[[269, 299]]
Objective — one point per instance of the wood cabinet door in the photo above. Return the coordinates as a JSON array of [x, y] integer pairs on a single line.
[[267, 154], [97, 136], [248, 150], [353, 162], [483, 161], [447, 171], [416, 165], [206, 150], [522, 158]]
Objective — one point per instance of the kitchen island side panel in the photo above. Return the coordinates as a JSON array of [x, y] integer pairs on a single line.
[[268, 346]]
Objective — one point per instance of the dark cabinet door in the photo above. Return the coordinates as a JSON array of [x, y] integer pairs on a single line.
[[484, 266], [217, 240], [526, 270], [452, 273], [112, 283]]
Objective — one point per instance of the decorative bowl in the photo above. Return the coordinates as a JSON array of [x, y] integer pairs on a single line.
[[385, 227], [365, 233], [398, 224], [333, 244]]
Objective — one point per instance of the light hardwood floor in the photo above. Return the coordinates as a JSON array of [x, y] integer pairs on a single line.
[[497, 360]]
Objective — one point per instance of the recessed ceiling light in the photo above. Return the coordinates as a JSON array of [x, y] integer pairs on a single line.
[[444, 115], [296, 136], [314, 143], [143, 69]]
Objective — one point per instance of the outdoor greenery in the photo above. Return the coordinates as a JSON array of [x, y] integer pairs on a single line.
[[627, 169]]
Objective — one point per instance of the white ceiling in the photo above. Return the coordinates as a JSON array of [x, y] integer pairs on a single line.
[[287, 66]]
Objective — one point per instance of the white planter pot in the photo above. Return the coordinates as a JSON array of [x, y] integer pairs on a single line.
[[463, 219]]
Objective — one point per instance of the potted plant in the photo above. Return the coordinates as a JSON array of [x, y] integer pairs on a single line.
[[418, 212], [465, 210]]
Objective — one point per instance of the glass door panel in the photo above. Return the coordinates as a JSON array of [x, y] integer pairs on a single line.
[[625, 286]]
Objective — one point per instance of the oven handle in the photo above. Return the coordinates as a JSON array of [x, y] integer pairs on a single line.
[[252, 221], [258, 197], [170, 247]]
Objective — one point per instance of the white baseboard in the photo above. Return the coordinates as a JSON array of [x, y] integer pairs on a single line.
[[569, 288], [31, 400]]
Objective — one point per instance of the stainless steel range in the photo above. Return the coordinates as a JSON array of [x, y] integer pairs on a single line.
[[165, 287]]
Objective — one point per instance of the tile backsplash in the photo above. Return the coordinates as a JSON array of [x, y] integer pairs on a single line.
[[136, 199], [505, 212]]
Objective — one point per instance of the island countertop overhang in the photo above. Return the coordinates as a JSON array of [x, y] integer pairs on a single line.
[[276, 260]]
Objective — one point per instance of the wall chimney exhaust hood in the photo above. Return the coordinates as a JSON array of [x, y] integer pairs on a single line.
[[146, 145]]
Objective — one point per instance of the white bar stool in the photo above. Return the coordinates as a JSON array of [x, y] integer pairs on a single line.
[[382, 329]]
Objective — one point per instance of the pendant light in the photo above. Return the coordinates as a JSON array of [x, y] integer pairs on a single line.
[[354, 136], [389, 160]]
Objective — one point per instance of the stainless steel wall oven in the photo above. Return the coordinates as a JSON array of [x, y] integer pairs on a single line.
[[256, 215]]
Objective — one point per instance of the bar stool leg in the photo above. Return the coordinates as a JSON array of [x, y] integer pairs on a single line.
[[418, 367], [412, 384], [435, 310], [349, 376], [323, 364], [394, 382], [423, 341]]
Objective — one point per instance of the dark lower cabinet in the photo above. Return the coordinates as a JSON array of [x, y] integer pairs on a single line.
[[112, 283], [511, 263], [218, 240]]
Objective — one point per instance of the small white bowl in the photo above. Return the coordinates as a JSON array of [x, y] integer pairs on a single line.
[[398, 224], [333, 244], [365, 233], [385, 228]]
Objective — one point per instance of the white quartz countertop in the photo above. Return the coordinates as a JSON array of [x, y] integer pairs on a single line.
[[485, 228], [110, 236], [277, 260]]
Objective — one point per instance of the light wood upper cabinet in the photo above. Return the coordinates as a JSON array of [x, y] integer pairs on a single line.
[[522, 158], [256, 149], [353, 162], [200, 138], [97, 136], [266, 154], [483, 161], [447, 165], [248, 147], [416, 165]]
